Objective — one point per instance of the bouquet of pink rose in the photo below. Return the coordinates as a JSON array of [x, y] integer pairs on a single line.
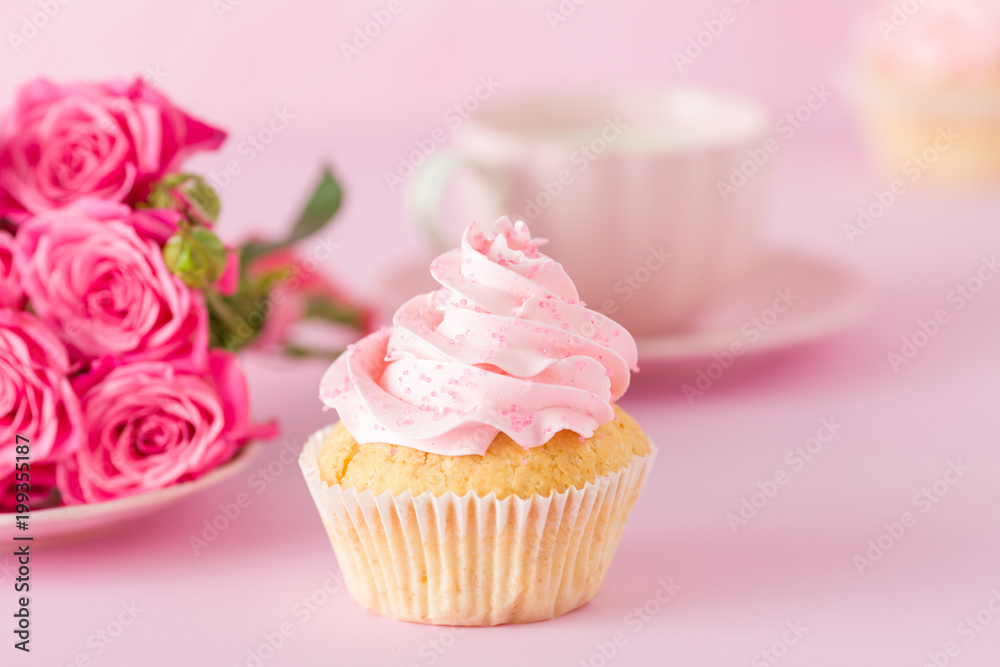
[[120, 308]]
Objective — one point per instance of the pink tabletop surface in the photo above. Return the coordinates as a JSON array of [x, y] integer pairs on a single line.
[[784, 588]]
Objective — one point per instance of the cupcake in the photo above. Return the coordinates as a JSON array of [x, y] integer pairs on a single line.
[[930, 89], [481, 473]]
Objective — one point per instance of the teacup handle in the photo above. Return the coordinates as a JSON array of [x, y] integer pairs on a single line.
[[425, 192]]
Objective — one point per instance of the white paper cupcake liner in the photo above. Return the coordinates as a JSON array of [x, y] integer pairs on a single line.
[[470, 560]]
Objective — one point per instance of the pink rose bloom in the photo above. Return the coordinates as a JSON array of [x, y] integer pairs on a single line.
[[155, 224], [36, 399], [11, 295], [41, 490], [89, 274], [110, 140], [150, 426]]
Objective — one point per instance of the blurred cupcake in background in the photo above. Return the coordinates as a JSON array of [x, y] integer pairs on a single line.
[[929, 88]]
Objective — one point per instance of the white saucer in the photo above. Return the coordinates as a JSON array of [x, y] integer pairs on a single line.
[[71, 523], [829, 299], [826, 299]]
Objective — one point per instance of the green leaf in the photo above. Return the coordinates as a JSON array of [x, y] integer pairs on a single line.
[[197, 256], [322, 206], [204, 197], [302, 352], [231, 325]]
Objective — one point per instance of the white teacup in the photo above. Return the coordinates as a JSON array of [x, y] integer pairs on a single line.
[[635, 192]]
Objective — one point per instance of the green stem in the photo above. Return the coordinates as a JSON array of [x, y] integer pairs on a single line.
[[293, 350], [223, 310]]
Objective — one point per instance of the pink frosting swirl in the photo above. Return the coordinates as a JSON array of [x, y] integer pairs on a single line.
[[504, 345]]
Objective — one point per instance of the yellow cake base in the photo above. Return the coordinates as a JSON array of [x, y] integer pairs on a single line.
[[564, 461]]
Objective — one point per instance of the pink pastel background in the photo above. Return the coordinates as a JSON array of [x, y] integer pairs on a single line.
[[791, 563]]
